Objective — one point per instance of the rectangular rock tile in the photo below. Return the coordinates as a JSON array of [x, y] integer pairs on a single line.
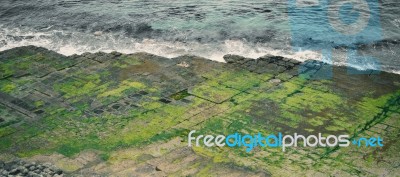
[[216, 94]]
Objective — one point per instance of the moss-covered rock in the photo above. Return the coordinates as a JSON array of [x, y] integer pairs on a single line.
[[130, 114]]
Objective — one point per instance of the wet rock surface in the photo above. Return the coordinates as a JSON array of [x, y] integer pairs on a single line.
[[29, 169], [108, 114]]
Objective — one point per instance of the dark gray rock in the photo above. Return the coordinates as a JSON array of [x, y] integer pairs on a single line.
[[5, 173], [234, 59], [14, 171], [116, 54], [58, 172], [31, 174], [22, 168]]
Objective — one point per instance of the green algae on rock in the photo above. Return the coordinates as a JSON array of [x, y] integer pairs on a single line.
[[102, 114]]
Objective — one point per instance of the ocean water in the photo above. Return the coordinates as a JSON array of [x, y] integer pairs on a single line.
[[204, 28]]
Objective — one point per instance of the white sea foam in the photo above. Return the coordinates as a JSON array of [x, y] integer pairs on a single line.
[[68, 43], [78, 43]]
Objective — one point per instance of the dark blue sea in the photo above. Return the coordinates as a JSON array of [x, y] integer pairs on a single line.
[[332, 31]]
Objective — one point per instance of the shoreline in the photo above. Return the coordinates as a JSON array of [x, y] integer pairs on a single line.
[[356, 69]]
